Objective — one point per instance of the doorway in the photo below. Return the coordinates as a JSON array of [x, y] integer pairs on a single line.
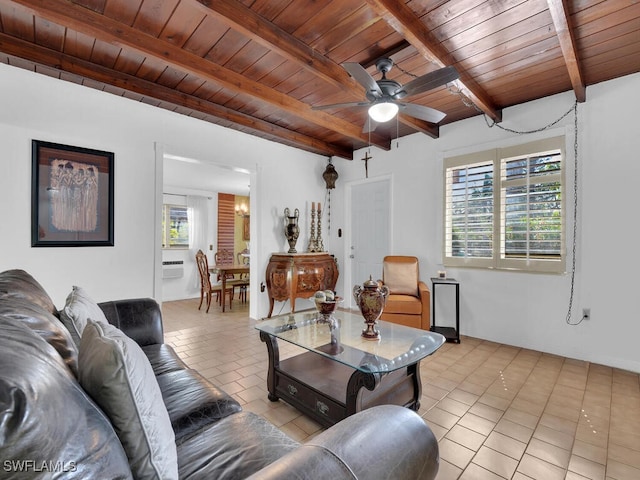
[[180, 177]]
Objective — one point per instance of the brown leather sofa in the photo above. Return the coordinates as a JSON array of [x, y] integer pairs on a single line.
[[409, 300], [53, 428]]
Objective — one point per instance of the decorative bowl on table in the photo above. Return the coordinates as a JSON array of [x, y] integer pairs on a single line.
[[327, 307], [326, 303]]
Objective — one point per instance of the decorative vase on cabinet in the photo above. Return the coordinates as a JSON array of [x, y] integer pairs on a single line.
[[291, 229]]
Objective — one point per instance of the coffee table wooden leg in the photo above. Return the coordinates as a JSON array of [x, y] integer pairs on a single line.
[[274, 362], [414, 371], [357, 381]]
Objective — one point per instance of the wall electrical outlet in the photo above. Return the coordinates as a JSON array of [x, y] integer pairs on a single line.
[[586, 313]]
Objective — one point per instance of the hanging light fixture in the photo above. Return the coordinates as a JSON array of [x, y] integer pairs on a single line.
[[330, 176], [383, 111], [242, 209]]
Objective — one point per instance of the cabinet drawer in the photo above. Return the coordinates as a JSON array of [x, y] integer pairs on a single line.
[[326, 407], [292, 390], [307, 398]]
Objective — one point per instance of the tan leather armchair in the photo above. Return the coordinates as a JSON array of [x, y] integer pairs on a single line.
[[409, 300]]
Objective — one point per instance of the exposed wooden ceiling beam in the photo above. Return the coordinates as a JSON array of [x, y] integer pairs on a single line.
[[561, 22], [427, 128], [402, 19], [253, 26], [66, 63], [83, 20]]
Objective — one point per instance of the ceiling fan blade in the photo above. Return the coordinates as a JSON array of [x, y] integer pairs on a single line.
[[428, 82], [369, 125], [423, 113], [361, 76], [340, 105]]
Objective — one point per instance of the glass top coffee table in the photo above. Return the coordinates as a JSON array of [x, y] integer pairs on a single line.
[[339, 372]]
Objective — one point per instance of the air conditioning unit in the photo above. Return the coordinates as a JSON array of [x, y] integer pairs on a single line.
[[173, 269]]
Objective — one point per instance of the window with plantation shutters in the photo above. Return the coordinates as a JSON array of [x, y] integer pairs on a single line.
[[532, 207], [504, 208]]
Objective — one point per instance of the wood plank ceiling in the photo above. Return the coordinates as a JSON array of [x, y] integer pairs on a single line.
[[259, 66]]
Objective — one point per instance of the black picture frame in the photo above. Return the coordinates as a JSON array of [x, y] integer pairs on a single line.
[[71, 196]]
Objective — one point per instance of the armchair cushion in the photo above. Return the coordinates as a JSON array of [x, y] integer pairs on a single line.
[[407, 304], [401, 275]]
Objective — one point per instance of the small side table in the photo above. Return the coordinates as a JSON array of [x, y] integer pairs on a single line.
[[451, 334]]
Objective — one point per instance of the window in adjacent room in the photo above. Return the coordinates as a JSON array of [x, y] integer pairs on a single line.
[[175, 226], [504, 208]]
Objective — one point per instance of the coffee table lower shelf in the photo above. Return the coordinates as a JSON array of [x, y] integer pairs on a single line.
[[329, 391]]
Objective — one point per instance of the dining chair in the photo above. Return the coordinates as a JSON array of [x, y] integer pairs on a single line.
[[225, 257], [206, 287], [243, 280]]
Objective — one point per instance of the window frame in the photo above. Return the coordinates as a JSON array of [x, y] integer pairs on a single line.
[[498, 157], [166, 226]]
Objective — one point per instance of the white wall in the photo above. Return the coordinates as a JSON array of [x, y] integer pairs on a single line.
[[514, 308], [38, 107], [521, 309]]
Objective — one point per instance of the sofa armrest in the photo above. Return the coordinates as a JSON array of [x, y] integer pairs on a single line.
[[382, 442], [425, 299], [139, 318]]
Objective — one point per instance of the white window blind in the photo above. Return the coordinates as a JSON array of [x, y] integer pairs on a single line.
[[532, 207], [470, 211], [504, 208]]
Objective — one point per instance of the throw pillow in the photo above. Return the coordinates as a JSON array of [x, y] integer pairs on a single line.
[[78, 308], [114, 370]]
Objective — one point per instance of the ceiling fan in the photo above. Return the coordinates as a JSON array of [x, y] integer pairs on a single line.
[[383, 94]]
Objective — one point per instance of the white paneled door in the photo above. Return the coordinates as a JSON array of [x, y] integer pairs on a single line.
[[370, 227]]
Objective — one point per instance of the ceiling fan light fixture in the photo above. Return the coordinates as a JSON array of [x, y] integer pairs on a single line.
[[383, 111]]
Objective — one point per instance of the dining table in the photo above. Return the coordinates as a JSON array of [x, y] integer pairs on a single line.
[[224, 269]]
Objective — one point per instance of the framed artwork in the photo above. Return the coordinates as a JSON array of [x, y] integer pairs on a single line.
[[71, 196], [245, 228]]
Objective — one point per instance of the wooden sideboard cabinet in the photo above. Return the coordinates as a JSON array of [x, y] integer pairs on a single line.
[[299, 275]]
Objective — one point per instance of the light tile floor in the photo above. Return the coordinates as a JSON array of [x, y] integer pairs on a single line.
[[498, 411]]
